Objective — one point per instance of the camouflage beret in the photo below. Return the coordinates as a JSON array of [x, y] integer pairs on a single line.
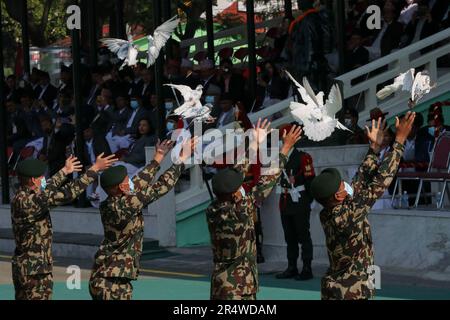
[[31, 168], [113, 176], [227, 181], [326, 184]]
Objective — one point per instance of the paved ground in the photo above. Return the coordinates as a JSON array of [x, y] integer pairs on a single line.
[[184, 274]]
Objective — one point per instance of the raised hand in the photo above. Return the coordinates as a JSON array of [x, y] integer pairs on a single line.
[[188, 148], [162, 148], [103, 163], [404, 127], [290, 138], [260, 131], [72, 165], [376, 133]]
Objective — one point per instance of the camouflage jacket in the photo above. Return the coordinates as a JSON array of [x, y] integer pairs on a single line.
[[233, 240], [347, 229], [32, 225], [123, 223]]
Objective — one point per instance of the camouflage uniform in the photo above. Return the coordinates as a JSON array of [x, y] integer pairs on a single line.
[[117, 260], [347, 229], [232, 230], [32, 261]]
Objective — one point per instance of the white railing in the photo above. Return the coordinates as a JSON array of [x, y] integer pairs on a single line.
[[200, 43], [396, 63]]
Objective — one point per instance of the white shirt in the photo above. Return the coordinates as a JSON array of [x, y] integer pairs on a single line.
[[407, 13], [91, 150], [410, 148], [42, 92]]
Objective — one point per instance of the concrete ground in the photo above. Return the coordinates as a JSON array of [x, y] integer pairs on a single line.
[[183, 274]]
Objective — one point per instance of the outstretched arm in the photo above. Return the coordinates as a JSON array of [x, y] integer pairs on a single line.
[[145, 177], [388, 168]]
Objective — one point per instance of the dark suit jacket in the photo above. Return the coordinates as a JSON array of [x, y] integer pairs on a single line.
[[236, 87], [103, 121], [140, 114], [56, 149], [136, 157], [391, 38], [136, 87], [49, 95], [120, 120], [100, 145]]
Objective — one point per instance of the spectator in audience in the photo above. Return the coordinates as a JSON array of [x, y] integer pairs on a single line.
[[34, 82], [439, 9], [148, 86], [104, 119], [137, 82], [421, 26], [48, 91], [226, 113], [65, 77], [307, 35], [229, 81], [54, 143], [145, 138], [428, 134], [272, 87], [281, 40], [356, 54], [172, 71], [97, 82], [17, 129], [121, 115], [29, 115], [357, 136], [388, 38], [93, 145], [12, 92], [187, 75], [64, 107], [138, 112], [386, 145], [207, 74]]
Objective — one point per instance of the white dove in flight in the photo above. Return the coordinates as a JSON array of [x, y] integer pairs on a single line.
[[319, 119], [418, 85], [191, 98], [159, 38], [124, 49]]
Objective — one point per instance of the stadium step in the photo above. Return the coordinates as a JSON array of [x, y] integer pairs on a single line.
[[79, 245]]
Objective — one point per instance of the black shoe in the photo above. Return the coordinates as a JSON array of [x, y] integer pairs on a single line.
[[288, 273], [260, 259], [306, 274]]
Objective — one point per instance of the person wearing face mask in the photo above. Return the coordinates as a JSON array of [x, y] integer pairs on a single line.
[[138, 112], [344, 216], [231, 225], [118, 258], [357, 136], [231, 82], [32, 262]]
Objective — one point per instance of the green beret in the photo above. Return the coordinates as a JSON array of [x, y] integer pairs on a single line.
[[326, 184], [31, 168], [227, 181], [113, 176]]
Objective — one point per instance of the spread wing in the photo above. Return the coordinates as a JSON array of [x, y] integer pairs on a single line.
[[160, 37], [310, 92], [301, 112], [305, 97], [404, 82], [117, 46], [421, 86], [185, 91], [334, 102]]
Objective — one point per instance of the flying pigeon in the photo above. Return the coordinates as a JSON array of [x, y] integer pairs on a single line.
[[191, 98], [319, 120], [418, 85], [124, 49], [159, 38]]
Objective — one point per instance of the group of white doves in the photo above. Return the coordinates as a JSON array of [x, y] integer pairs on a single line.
[[317, 117]]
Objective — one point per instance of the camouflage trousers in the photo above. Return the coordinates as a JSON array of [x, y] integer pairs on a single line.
[[110, 288], [33, 287], [236, 297]]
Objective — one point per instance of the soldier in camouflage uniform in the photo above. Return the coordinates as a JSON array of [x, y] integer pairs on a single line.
[[118, 258], [231, 225], [345, 214], [32, 262]]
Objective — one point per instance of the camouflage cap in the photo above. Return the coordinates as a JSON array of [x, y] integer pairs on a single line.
[[113, 176], [227, 181], [31, 168], [326, 184]]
